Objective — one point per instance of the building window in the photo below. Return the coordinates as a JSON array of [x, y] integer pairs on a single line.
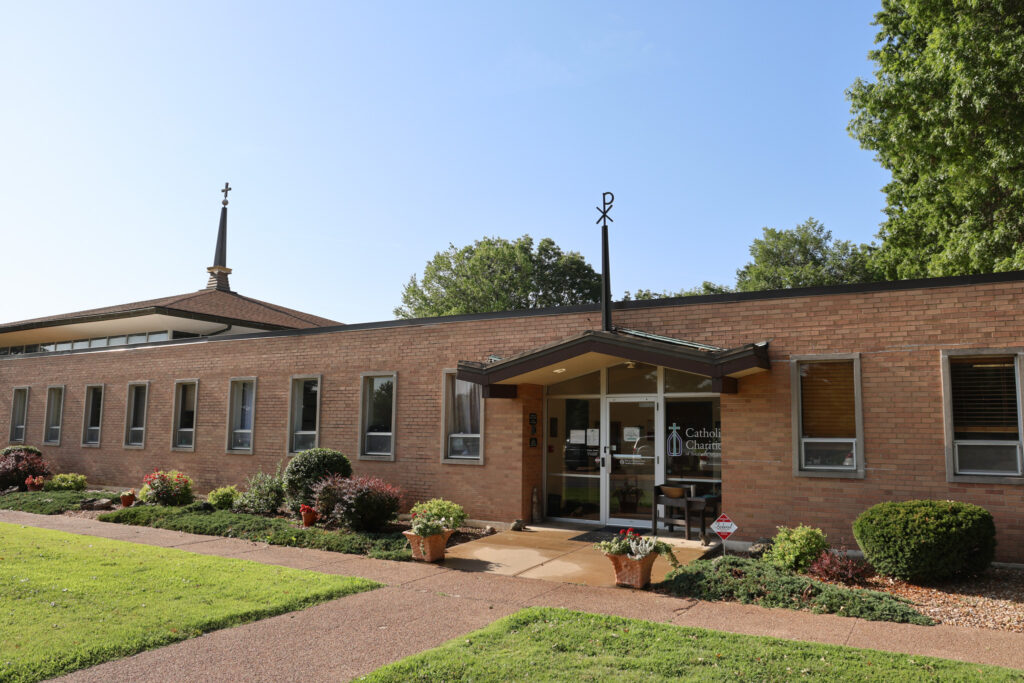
[[93, 415], [463, 420], [377, 426], [241, 407], [19, 414], [185, 397], [827, 423], [54, 415], [135, 424], [983, 415], [305, 414]]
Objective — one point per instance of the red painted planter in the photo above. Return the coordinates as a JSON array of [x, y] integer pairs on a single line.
[[309, 518], [429, 548], [127, 500]]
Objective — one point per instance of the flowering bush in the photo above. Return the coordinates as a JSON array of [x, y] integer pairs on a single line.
[[222, 498], [168, 488], [360, 503], [839, 567], [424, 525], [34, 481], [306, 509], [630, 543], [19, 462], [66, 482], [439, 508]]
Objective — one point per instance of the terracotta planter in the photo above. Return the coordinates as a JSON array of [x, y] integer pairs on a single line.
[[430, 548], [309, 518], [127, 500], [632, 573]]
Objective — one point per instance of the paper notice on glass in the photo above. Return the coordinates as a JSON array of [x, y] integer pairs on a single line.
[[577, 436], [593, 437], [631, 434]]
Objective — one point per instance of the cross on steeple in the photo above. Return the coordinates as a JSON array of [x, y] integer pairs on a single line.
[[227, 188], [219, 271]]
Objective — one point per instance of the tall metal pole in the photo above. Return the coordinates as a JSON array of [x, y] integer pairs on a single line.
[[606, 283]]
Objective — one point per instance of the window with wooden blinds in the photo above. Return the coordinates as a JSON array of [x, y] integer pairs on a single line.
[[827, 400]]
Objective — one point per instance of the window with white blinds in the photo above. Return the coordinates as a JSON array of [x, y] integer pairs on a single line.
[[985, 415]]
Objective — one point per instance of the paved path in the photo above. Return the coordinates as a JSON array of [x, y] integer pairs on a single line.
[[426, 605]]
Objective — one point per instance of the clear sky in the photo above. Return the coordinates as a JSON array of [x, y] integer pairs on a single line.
[[361, 138]]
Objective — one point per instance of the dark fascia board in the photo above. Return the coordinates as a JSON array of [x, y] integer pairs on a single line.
[[138, 312], [631, 348]]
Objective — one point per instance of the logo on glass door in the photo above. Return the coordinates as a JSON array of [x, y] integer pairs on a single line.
[[674, 443]]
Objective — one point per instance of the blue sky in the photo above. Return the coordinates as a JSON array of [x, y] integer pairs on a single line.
[[363, 138]]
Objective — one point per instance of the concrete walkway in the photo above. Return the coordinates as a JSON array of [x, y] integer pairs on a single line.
[[426, 605]]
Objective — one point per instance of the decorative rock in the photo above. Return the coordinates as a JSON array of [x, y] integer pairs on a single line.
[[759, 547], [97, 504], [13, 489], [489, 530], [518, 525]]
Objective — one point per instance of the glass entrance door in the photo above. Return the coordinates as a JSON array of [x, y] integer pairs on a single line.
[[633, 450]]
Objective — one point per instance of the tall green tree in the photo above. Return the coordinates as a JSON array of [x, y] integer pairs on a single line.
[[494, 274], [705, 287], [945, 115], [806, 256]]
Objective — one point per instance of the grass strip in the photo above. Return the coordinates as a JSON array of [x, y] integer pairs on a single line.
[[198, 519], [49, 502], [759, 583], [71, 601], [551, 644]]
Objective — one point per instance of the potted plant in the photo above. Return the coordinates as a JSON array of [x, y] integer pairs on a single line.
[[309, 515], [629, 496], [428, 537], [128, 498], [34, 483], [633, 556]]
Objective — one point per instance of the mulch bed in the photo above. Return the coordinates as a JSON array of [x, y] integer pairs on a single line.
[[993, 600]]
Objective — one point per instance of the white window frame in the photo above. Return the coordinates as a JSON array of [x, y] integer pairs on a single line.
[[953, 473], [363, 399], [856, 471], [293, 383], [176, 415], [128, 415], [23, 427], [85, 416], [228, 447], [47, 415], [445, 436]]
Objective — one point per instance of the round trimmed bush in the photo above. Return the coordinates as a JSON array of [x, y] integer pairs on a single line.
[[20, 462], [223, 498], [168, 488], [23, 449], [309, 467], [926, 540], [66, 482]]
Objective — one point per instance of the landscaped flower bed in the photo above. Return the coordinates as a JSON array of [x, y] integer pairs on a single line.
[[50, 502]]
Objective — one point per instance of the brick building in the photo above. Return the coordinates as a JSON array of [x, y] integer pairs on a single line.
[[794, 406]]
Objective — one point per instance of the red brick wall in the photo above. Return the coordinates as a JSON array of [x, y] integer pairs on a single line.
[[899, 333]]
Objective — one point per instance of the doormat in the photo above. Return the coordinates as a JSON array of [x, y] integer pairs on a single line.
[[605, 533]]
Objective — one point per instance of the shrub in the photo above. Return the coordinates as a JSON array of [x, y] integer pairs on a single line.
[[926, 540], [20, 462], [832, 566], [263, 495], [223, 498], [437, 508], [66, 482], [794, 549], [757, 582], [360, 503], [168, 488], [309, 467]]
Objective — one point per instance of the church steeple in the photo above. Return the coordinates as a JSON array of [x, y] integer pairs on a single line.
[[219, 271]]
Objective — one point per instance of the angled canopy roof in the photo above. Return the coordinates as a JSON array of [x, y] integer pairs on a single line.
[[594, 349]]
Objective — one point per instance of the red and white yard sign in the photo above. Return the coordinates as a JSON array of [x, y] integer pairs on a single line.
[[723, 526]]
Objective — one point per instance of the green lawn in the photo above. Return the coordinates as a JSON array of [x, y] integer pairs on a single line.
[[68, 602], [556, 644], [201, 519], [50, 502]]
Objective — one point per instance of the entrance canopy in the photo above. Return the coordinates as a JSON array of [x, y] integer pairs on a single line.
[[596, 349]]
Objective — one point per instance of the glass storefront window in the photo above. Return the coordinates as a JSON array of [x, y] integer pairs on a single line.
[[693, 441], [573, 467], [677, 382], [632, 378], [584, 384]]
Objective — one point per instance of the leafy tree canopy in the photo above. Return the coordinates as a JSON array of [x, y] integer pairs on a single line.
[[805, 256], [494, 274], [705, 287], [946, 116]]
